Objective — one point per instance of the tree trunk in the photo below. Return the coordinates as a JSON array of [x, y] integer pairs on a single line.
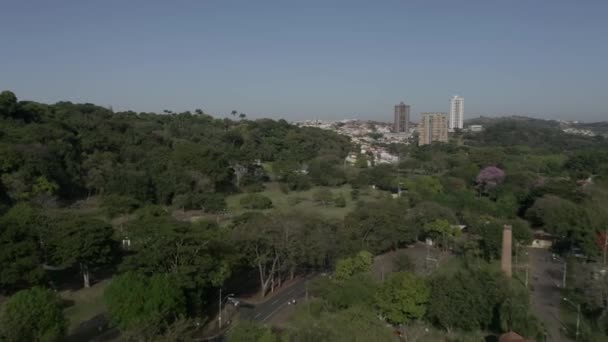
[[266, 278], [292, 272], [85, 275], [263, 290]]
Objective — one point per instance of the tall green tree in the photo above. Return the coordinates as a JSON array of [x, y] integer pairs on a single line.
[[197, 255], [357, 324], [136, 302], [82, 242], [378, 226], [21, 256], [32, 315], [8, 103], [515, 313], [403, 298], [465, 300], [339, 294], [349, 266], [441, 231]]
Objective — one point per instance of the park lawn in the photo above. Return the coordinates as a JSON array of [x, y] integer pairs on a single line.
[[84, 304], [303, 201]]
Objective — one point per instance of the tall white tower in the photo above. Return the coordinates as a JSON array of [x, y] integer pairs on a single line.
[[456, 113]]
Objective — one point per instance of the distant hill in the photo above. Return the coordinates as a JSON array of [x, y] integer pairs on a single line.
[[490, 121], [535, 133]]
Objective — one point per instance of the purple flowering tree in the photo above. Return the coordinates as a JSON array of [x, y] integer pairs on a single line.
[[489, 177]]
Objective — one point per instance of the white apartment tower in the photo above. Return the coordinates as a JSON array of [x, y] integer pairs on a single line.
[[456, 113]]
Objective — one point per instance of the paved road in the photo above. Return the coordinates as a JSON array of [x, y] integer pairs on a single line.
[[263, 312], [545, 276]]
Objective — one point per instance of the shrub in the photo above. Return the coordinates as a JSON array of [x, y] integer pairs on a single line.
[[208, 202], [284, 188], [255, 201], [295, 200], [323, 195], [298, 182], [115, 205], [340, 201], [256, 187]]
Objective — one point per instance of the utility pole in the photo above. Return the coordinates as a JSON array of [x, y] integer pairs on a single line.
[[578, 316], [306, 296], [578, 319], [219, 317], [516, 258]]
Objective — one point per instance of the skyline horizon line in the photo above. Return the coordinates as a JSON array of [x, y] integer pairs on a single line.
[[358, 116]]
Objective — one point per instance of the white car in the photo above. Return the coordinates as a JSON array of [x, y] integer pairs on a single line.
[[233, 301]]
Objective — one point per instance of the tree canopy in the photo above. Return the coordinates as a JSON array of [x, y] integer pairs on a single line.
[[33, 315]]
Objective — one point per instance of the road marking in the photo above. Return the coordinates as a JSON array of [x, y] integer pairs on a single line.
[[272, 313], [274, 302], [256, 316]]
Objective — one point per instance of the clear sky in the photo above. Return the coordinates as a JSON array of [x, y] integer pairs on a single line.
[[311, 58]]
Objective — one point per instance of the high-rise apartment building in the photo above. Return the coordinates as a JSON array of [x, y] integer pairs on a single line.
[[402, 118], [456, 113], [432, 127]]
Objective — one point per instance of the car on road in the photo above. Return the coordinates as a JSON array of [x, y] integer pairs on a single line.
[[233, 301]]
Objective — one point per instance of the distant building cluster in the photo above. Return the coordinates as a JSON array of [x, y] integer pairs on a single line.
[[578, 131], [475, 128], [433, 126], [373, 137], [370, 137]]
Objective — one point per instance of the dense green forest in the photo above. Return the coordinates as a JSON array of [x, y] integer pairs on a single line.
[[105, 195]]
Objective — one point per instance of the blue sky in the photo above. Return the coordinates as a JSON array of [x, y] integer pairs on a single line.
[[311, 59]]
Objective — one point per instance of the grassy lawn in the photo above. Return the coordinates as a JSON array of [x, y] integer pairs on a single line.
[[302, 200], [84, 304]]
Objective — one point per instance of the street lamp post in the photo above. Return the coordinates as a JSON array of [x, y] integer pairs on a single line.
[[221, 300], [578, 316], [219, 316], [565, 272]]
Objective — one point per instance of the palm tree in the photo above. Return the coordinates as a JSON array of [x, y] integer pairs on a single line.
[[242, 116], [234, 113]]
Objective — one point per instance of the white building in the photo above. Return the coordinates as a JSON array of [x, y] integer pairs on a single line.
[[456, 113]]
